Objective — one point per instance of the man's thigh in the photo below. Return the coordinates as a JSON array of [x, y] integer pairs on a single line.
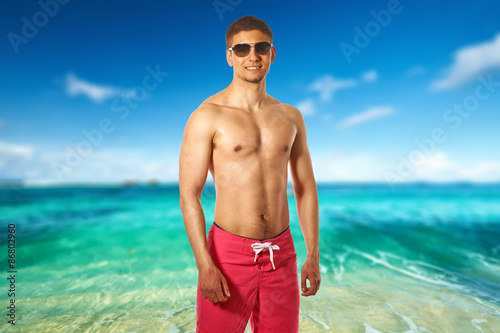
[[240, 273], [278, 301], [229, 316]]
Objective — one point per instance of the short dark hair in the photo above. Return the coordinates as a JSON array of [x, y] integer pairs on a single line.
[[247, 23]]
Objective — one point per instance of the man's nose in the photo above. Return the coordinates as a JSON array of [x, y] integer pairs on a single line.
[[253, 54]]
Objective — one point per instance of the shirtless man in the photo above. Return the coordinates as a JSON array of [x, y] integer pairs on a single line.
[[247, 265]]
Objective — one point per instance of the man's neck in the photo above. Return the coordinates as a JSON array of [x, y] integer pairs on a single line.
[[247, 95]]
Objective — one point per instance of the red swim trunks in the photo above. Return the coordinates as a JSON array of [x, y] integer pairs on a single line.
[[263, 282]]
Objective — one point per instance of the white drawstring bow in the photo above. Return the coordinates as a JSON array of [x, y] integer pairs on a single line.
[[259, 247]]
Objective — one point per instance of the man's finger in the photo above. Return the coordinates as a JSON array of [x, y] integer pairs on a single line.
[[314, 286], [303, 283], [307, 293], [220, 296], [317, 285], [225, 287]]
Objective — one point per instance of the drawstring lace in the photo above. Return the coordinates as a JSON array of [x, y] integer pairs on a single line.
[[259, 247]]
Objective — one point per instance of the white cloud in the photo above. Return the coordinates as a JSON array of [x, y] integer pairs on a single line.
[[369, 167], [36, 166], [484, 171], [369, 76], [437, 167], [15, 150], [117, 165], [367, 115], [469, 62], [440, 167], [96, 92], [306, 107], [337, 166], [13, 157], [327, 86]]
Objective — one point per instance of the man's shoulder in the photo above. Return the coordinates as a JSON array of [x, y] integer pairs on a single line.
[[208, 109], [290, 110], [287, 108], [212, 105]]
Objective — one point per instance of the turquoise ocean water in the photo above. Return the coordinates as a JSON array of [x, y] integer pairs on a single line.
[[422, 258]]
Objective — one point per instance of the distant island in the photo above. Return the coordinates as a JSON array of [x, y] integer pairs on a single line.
[[14, 182], [135, 182]]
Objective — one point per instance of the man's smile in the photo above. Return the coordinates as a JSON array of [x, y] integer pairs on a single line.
[[253, 68]]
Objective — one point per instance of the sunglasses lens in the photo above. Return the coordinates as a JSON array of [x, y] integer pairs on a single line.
[[241, 50], [263, 48]]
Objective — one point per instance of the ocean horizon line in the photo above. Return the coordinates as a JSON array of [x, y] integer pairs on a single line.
[[19, 183]]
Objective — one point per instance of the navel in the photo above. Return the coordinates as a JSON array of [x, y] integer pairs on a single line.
[[237, 148], [286, 147]]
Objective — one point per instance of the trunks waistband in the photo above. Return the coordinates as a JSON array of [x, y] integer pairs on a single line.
[[260, 240]]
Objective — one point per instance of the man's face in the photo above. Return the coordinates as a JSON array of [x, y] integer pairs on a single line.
[[253, 59]]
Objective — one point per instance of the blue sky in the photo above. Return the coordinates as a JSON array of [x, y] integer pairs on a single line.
[[380, 83]]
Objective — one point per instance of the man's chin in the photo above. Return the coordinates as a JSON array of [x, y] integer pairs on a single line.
[[254, 80]]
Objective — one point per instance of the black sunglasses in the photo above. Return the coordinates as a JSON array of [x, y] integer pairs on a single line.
[[242, 50]]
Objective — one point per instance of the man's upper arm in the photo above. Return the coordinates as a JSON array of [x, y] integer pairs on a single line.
[[196, 150], [300, 160]]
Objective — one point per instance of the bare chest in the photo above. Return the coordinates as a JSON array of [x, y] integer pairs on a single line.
[[268, 137]]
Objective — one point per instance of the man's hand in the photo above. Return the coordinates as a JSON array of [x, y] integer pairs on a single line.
[[212, 284], [310, 271]]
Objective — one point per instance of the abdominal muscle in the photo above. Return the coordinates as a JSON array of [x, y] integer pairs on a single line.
[[251, 199]]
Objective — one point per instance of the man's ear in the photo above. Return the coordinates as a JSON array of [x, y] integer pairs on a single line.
[[273, 54], [229, 58]]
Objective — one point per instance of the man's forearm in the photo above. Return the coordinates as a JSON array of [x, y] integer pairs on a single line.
[[308, 213], [194, 222]]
